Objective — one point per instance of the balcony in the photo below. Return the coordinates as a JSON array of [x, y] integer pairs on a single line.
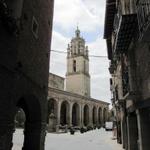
[[125, 26], [143, 14], [125, 82]]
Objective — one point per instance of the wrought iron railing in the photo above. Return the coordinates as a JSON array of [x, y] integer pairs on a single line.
[[143, 13], [125, 22], [125, 82]]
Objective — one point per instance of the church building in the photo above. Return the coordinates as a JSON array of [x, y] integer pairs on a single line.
[[73, 106]]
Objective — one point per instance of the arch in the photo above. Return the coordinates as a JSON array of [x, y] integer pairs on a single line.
[[52, 107], [33, 123], [86, 115], [64, 113], [100, 115], [20, 118], [75, 114], [104, 115], [32, 114], [94, 115]]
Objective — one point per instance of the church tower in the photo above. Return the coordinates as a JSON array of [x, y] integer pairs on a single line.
[[77, 76]]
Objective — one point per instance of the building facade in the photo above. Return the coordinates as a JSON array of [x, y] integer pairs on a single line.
[[127, 36], [25, 35], [67, 109], [74, 107]]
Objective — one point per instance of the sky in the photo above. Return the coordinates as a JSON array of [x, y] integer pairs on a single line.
[[88, 15]]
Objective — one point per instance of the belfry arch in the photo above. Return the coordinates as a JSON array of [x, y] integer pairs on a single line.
[[64, 113], [86, 115], [75, 114]]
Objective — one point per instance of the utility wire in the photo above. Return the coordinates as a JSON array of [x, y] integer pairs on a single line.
[[63, 52]]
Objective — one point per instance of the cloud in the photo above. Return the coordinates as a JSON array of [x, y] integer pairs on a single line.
[[59, 41], [58, 60], [100, 76], [96, 7], [89, 15], [98, 47]]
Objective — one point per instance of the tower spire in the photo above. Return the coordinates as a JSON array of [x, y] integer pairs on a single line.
[[77, 32]]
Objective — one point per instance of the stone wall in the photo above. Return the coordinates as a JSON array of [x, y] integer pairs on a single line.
[[56, 81], [24, 69]]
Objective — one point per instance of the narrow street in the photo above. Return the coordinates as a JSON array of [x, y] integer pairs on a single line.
[[92, 140]]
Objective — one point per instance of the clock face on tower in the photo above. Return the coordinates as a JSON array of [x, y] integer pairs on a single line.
[[77, 76]]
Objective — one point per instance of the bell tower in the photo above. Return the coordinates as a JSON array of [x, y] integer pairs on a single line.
[[77, 76]]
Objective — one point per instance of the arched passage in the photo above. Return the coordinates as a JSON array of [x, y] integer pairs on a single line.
[[33, 123], [104, 115], [86, 115], [64, 113], [20, 118], [94, 115], [75, 114], [100, 115], [52, 107]]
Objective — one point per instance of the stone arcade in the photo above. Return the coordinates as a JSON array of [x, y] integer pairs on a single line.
[[25, 35], [74, 107]]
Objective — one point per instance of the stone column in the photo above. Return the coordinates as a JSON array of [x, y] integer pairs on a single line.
[[97, 117], [106, 114], [124, 133], [132, 132], [143, 117], [124, 128], [6, 134], [102, 117], [70, 115], [91, 116], [52, 123], [58, 115], [80, 116], [34, 134]]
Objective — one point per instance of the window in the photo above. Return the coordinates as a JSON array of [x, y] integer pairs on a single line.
[[74, 50], [35, 27], [74, 65]]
